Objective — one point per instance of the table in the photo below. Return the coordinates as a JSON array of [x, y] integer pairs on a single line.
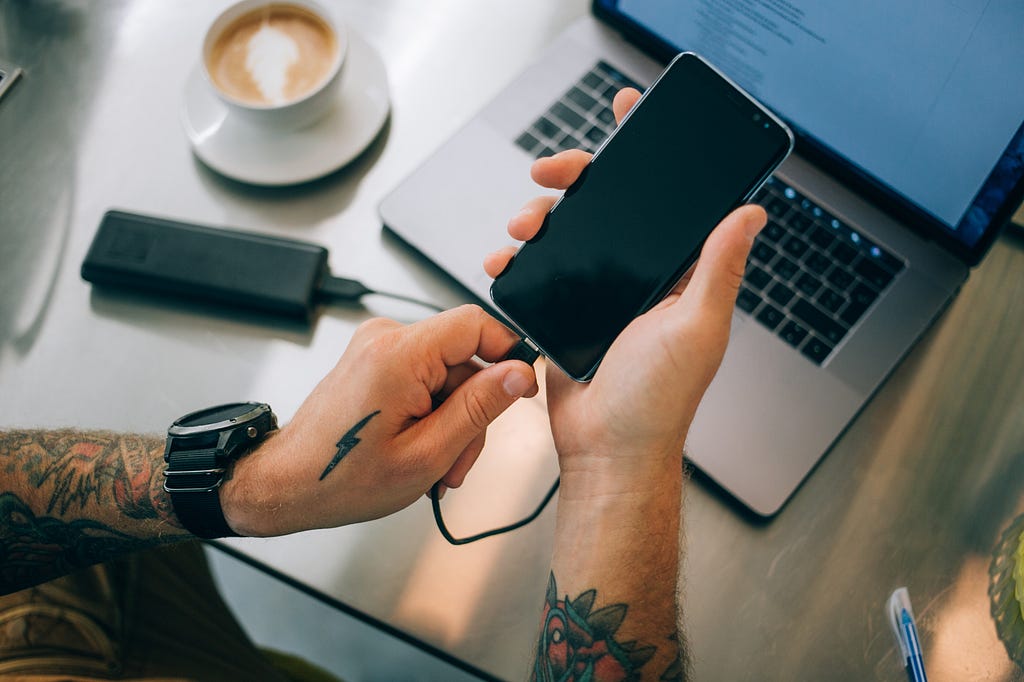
[[916, 492]]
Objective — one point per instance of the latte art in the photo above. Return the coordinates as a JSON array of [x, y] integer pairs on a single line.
[[272, 55]]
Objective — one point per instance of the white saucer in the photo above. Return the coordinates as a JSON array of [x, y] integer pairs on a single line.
[[247, 152]]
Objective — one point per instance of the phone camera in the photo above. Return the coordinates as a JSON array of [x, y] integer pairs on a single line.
[[766, 125], [757, 117]]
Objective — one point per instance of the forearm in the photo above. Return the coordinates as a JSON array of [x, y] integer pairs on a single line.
[[615, 566], [70, 499]]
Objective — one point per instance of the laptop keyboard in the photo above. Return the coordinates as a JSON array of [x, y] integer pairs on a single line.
[[810, 276], [582, 118]]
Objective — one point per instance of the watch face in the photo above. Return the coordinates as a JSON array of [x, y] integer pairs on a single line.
[[214, 415]]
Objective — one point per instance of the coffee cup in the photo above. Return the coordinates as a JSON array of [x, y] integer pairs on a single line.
[[275, 63]]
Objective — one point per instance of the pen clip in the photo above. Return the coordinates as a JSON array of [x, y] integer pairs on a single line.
[[899, 602]]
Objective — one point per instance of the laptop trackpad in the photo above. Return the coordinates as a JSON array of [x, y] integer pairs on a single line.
[[768, 416]]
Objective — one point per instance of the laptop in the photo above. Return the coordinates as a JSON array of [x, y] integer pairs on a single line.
[[909, 159]]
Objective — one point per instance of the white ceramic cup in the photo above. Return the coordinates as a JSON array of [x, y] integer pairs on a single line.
[[292, 114]]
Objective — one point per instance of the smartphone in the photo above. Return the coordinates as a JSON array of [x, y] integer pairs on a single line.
[[694, 147]]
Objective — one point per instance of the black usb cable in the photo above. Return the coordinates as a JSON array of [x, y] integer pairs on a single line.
[[333, 289], [528, 353]]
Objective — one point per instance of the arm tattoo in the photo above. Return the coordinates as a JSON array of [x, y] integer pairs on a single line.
[[34, 549], [347, 442], [70, 499], [578, 643]]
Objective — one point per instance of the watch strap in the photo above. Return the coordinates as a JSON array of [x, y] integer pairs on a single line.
[[201, 514], [193, 481]]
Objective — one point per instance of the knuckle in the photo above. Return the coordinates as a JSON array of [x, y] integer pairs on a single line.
[[478, 408]]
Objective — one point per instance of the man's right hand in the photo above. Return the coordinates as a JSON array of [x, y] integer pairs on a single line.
[[405, 407]]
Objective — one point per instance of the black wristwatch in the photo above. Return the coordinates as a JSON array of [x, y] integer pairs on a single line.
[[201, 447]]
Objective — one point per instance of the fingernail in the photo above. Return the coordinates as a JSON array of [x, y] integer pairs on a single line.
[[516, 384]]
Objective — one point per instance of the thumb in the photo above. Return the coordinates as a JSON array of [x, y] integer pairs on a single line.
[[471, 407], [716, 278]]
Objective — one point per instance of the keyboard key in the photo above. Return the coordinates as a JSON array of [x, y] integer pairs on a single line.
[[584, 101], [614, 74], [770, 316], [606, 116], [888, 261], [844, 253], [852, 313], [786, 268], [757, 277], [763, 252], [816, 349], [800, 222], [822, 238], [596, 135], [776, 207], [773, 231], [527, 142], [808, 284], [569, 142], [840, 278], [824, 325], [831, 300], [872, 272], [545, 151], [863, 295], [817, 262], [795, 246], [593, 81], [780, 293], [570, 117], [547, 128], [793, 333], [747, 300]]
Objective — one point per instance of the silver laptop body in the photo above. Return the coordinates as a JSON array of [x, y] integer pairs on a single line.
[[770, 414]]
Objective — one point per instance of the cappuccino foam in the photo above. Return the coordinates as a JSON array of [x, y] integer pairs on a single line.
[[272, 55]]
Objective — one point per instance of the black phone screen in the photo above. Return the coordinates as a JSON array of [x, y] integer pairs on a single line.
[[694, 148]]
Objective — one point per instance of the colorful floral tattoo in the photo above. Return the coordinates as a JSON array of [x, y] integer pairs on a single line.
[[69, 499], [578, 644]]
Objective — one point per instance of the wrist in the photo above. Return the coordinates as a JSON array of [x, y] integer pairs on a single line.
[[247, 501], [622, 476]]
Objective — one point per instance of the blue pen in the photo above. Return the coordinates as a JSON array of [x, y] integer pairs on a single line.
[[901, 618]]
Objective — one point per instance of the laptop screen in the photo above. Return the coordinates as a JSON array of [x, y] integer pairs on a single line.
[[925, 97]]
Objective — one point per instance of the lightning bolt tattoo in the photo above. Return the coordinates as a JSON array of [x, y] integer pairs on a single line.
[[347, 442]]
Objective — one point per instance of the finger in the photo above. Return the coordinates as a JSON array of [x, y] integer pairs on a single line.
[[525, 224], [456, 376], [496, 262], [624, 100], [456, 476], [561, 170], [467, 412], [456, 335], [719, 271]]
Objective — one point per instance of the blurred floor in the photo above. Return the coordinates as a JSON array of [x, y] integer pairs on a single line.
[[278, 616]]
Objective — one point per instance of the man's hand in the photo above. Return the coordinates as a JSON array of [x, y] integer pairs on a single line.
[[637, 410], [620, 446], [405, 407]]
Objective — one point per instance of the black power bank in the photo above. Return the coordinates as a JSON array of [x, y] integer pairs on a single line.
[[231, 267]]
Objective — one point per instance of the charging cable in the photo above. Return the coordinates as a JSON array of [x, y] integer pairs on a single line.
[[528, 353], [333, 289]]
